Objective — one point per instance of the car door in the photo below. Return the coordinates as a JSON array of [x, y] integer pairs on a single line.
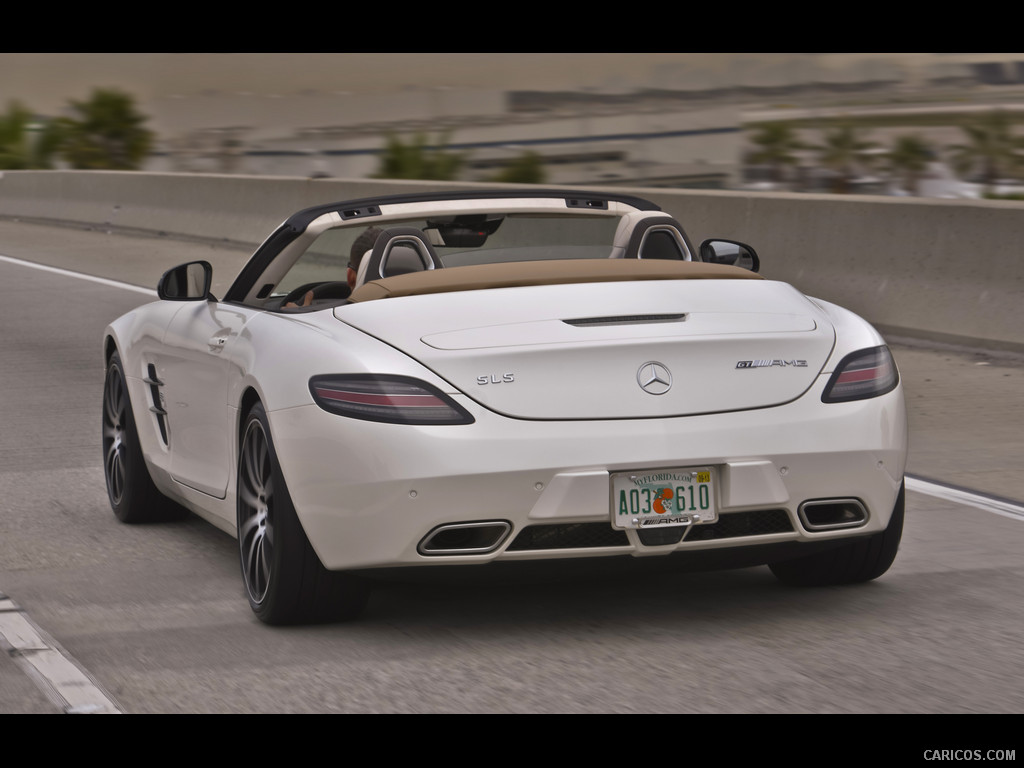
[[195, 369]]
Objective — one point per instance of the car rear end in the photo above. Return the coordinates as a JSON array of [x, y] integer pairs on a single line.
[[726, 417]]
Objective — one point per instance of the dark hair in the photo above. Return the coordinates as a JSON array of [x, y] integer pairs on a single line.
[[363, 244]]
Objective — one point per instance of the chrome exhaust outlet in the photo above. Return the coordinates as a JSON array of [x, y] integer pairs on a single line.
[[476, 538], [831, 514]]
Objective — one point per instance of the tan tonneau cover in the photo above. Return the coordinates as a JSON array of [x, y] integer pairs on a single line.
[[522, 273]]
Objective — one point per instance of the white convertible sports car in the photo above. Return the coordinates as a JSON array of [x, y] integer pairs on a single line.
[[467, 378]]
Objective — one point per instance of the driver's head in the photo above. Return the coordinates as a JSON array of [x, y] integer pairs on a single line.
[[362, 245]]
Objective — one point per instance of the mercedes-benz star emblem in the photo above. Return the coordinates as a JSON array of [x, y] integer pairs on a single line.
[[654, 378]]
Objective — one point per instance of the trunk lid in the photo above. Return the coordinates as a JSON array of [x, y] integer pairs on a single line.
[[612, 350]]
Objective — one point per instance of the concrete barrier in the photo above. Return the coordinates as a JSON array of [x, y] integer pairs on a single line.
[[945, 270], [938, 269]]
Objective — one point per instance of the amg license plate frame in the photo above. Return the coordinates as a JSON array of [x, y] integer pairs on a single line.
[[664, 497]]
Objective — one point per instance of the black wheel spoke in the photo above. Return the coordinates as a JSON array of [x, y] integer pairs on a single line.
[[113, 435], [249, 498], [115, 472], [255, 533], [264, 562]]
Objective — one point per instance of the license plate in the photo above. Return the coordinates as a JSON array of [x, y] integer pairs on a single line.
[[663, 497]]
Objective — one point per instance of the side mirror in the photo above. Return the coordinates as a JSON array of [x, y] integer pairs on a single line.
[[187, 282], [729, 252]]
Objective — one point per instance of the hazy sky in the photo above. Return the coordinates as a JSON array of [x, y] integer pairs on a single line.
[[46, 81]]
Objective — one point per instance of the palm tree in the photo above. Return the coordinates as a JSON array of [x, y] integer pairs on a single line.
[[24, 143], [908, 159], [992, 149], [777, 145], [528, 168], [106, 133], [843, 152], [417, 160]]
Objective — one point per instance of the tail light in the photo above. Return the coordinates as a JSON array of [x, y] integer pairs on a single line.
[[862, 374], [387, 398]]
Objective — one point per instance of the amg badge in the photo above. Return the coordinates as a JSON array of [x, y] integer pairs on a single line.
[[770, 363]]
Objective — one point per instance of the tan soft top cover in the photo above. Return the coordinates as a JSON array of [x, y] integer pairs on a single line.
[[521, 273]]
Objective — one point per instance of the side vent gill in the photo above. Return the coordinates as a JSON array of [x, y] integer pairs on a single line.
[[156, 407]]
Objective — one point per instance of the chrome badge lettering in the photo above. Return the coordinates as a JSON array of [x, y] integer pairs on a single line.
[[495, 378], [648, 522], [771, 363]]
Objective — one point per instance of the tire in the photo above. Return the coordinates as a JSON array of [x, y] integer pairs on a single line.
[[856, 561], [284, 579], [133, 496]]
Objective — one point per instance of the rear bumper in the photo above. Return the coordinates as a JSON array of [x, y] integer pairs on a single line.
[[370, 494]]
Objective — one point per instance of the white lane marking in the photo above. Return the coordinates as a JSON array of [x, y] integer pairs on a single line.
[[61, 679], [79, 275], [963, 496]]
